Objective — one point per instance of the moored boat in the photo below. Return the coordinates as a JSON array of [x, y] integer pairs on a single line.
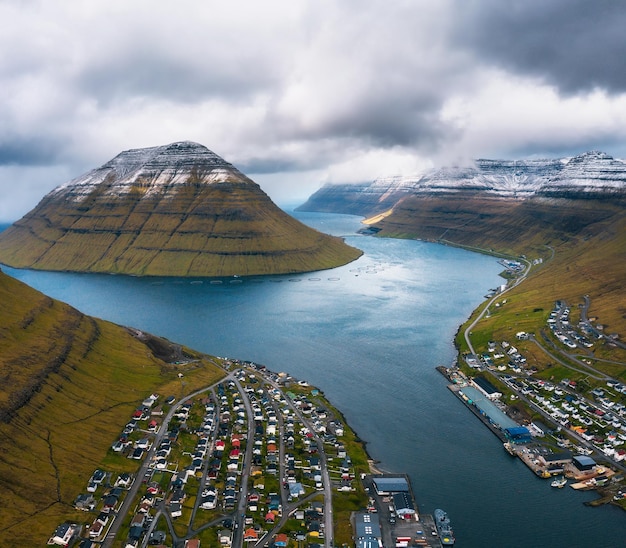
[[559, 482], [509, 449], [444, 527]]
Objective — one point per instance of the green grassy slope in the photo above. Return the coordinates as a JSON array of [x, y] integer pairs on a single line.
[[582, 241], [69, 384], [221, 229]]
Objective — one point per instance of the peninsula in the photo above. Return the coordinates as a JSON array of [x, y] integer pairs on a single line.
[[113, 437]]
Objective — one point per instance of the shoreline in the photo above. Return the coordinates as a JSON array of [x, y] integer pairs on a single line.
[[373, 468], [604, 496]]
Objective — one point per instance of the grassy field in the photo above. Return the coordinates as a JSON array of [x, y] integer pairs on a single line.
[[69, 383], [576, 270]]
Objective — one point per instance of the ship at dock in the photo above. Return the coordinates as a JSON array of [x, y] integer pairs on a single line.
[[444, 527]]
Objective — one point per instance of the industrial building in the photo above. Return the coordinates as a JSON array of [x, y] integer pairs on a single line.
[[368, 533], [385, 485]]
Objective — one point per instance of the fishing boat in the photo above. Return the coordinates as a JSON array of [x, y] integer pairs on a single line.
[[444, 528], [559, 482]]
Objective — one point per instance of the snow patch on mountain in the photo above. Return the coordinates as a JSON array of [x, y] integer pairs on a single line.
[[589, 172], [150, 171]]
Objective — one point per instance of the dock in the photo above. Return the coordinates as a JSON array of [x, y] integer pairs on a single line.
[[599, 479], [458, 384], [417, 529]]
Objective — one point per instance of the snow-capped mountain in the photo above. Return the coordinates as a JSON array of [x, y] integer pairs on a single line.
[[590, 174], [172, 210]]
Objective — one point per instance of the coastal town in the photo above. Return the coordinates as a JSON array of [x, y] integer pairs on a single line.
[[566, 423], [262, 459], [258, 459]]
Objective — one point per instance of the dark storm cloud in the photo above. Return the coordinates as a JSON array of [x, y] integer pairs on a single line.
[[374, 121], [274, 165], [575, 45], [388, 122], [29, 151], [394, 120]]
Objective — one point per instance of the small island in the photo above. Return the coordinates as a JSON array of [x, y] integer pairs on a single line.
[[171, 210]]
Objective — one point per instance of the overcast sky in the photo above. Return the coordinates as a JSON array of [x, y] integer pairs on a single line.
[[297, 93]]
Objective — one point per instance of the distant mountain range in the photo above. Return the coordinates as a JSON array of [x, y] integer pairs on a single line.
[[589, 175], [569, 212], [172, 210]]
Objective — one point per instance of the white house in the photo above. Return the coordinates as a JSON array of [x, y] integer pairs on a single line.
[[63, 534]]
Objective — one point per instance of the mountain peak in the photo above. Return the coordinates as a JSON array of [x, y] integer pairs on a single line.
[[179, 149], [152, 170], [142, 156], [591, 155]]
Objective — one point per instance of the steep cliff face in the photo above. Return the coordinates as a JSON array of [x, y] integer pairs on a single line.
[[173, 210], [505, 224], [593, 175]]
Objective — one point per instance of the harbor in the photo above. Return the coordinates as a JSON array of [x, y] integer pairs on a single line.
[[579, 471], [460, 388]]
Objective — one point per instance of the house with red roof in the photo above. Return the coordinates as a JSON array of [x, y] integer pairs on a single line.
[[250, 535], [281, 540]]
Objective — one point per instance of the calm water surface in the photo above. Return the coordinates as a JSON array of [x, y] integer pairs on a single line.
[[369, 334]]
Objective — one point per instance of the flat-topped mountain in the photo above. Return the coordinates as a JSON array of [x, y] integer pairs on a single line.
[[589, 175], [172, 210]]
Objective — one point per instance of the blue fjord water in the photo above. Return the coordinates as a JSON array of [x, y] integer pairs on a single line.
[[368, 334]]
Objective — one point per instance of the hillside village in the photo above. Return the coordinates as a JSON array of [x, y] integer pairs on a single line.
[[257, 459], [569, 420]]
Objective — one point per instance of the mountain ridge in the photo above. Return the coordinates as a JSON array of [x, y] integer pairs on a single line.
[[570, 212], [591, 173]]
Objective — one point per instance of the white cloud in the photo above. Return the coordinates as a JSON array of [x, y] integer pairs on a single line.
[[511, 116]]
